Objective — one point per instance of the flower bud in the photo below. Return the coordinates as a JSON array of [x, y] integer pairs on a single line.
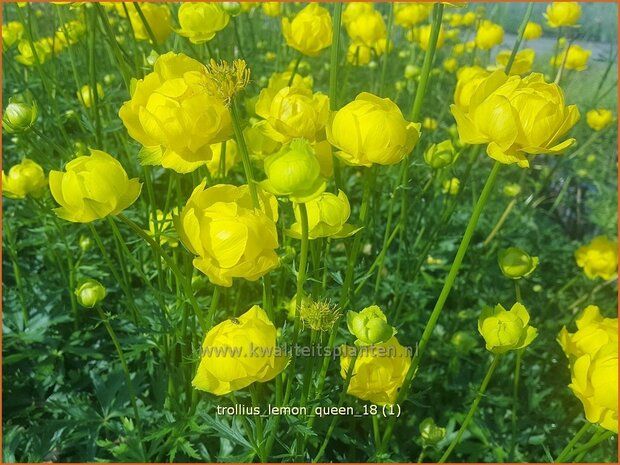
[[516, 263], [90, 293], [451, 186], [85, 243], [19, 116], [86, 97], [109, 79], [505, 330], [430, 433], [512, 190], [232, 8], [370, 326], [440, 155]]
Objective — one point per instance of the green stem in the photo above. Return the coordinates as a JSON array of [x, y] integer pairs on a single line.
[[245, 157], [386, 54], [147, 27], [595, 441], [515, 49], [515, 401], [295, 68], [569, 447], [500, 222], [472, 409], [333, 78], [94, 94], [213, 307]]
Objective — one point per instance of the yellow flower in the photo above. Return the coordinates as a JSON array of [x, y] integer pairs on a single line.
[[272, 8], [489, 35], [532, 31], [450, 65], [295, 172], [522, 64], [515, 117], [293, 112], [422, 36], [11, 33], [576, 58], [512, 190], [599, 259], [369, 326], [516, 263], [86, 97], [379, 371], [25, 178], [593, 332], [359, 54], [504, 330], [327, 217], [231, 157], [355, 9], [163, 227], [372, 130], [440, 155], [228, 236], [469, 18], [92, 187], [201, 21], [19, 116], [468, 81], [238, 352], [429, 123], [367, 28], [455, 20], [173, 114], [599, 118], [408, 15], [561, 14], [451, 186], [310, 31], [259, 143], [158, 18], [27, 56], [71, 32]]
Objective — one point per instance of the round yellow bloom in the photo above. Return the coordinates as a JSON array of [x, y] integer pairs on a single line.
[[369, 326], [516, 263], [174, 116], [367, 28], [259, 143], [450, 65], [201, 21], [504, 330], [593, 332], [532, 31], [310, 31], [238, 352], [422, 35], [516, 117], [562, 14], [489, 35], [359, 54], [86, 97], [28, 57], [92, 187], [429, 123], [599, 118], [272, 9], [468, 81], [576, 58], [158, 18], [25, 178], [327, 217], [455, 20], [379, 371], [355, 9], [469, 18], [522, 64], [231, 157], [71, 32], [440, 155], [599, 259], [11, 33], [408, 15], [228, 236], [372, 130]]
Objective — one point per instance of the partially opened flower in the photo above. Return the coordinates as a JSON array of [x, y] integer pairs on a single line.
[[86, 96], [327, 217], [408, 15], [599, 118], [310, 31], [367, 28], [369, 326], [516, 263], [504, 330], [562, 14], [574, 58], [11, 33], [25, 178], [201, 21]]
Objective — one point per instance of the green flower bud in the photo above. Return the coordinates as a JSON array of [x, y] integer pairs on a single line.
[[90, 293], [440, 155], [109, 79], [430, 433], [504, 330], [512, 190], [370, 326], [85, 243], [19, 116], [516, 263], [464, 341], [232, 8]]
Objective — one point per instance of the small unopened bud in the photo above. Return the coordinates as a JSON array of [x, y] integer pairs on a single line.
[[90, 293], [19, 116]]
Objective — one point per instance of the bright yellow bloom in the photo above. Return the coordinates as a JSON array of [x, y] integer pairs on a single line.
[[231, 157], [86, 96], [163, 228], [372, 130], [158, 18], [278, 81], [469, 18], [455, 20], [516, 263], [516, 117], [355, 9], [429, 123], [369, 326], [599, 118], [11, 33], [28, 57], [408, 15], [25, 178], [92, 187], [201, 21], [71, 32], [367, 28], [562, 14], [489, 35], [450, 65], [422, 35], [468, 81], [359, 54], [532, 31], [228, 236], [451, 186], [272, 9], [173, 114], [440, 155], [593, 332], [505, 330], [327, 217], [238, 352], [310, 31], [259, 143], [522, 64], [599, 259], [379, 371], [576, 58]]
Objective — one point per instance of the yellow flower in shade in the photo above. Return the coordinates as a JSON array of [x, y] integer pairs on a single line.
[[369, 326], [86, 96], [70, 33], [592, 352], [201, 21], [516, 117], [576, 58], [259, 143], [359, 54], [295, 172], [310, 31], [231, 157], [455, 20], [372, 130], [562, 14], [429, 123], [516, 263], [451, 186], [25, 178], [599, 259], [450, 65], [27, 56], [174, 116], [238, 352], [272, 8], [440, 155], [327, 217], [489, 35], [599, 119], [161, 226], [379, 371], [469, 18], [468, 81], [355, 9], [408, 15], [293, 112], [229, 237], [532, 31], [92, 187], [422, 35], [11, 33], [522, 63], [367, 28], [157, 16], [505, 330]]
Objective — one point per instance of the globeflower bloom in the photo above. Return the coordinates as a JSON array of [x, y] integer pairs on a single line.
[[379, 371], [599, 258], [11, 33], [86, 95], [370, 326], [355, 9], [28, 57], [505, 330], [440, 155], [562, 14], [516, 117], [25, 178], [599, 119], [230, 238], [92, 187], [576, 58], [522, 64], [451, 186], [489, 35], [408, 15], [157, 16], [310, 31], [468, 81], [372, 130], [516, 263], [422, 35], [367, 28], [272, 9], [174, 114], [201, 21], [532, 31], [238, 352]]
